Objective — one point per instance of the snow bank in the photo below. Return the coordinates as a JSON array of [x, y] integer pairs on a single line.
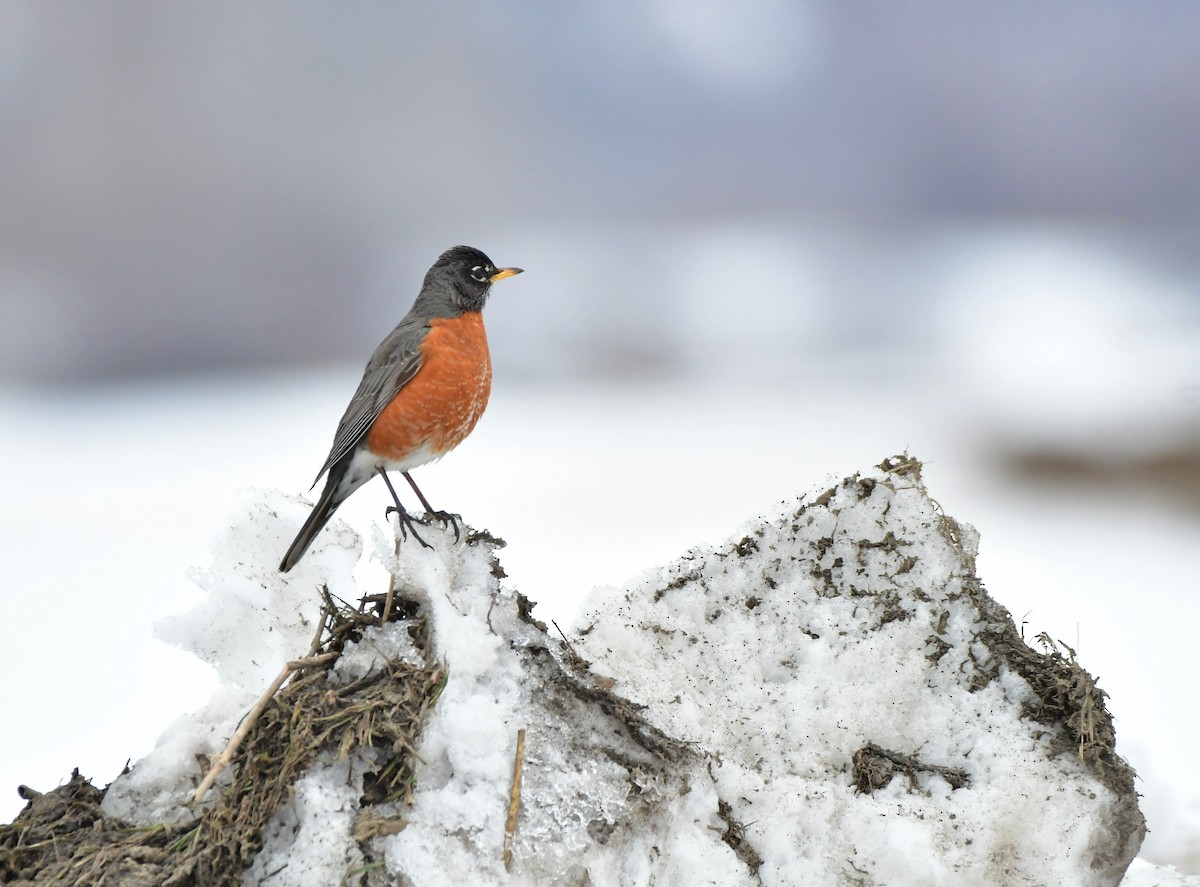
[[831, 696]]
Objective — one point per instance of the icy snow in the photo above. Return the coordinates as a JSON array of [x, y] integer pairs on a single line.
[[1144, 874], [251, 624], [781, 671], [741, 651], [310, 840]]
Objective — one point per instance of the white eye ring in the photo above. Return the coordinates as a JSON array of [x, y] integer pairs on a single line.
[[478, 273]]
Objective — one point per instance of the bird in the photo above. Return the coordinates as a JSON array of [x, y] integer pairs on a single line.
[[422, 393]]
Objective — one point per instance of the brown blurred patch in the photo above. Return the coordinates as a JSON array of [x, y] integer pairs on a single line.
[[1172, 473]]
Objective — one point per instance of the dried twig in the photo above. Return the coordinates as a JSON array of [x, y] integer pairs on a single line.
[[391, 592], [514, 802], [578, 664], [247, 722], [231, 747]]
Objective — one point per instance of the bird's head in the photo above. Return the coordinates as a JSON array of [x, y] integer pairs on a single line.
[[462, 277]]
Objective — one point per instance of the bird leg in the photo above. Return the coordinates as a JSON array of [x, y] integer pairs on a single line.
[[406, 521], [444, 516]]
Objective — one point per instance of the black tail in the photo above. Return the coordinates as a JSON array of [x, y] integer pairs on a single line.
[[320, 516]]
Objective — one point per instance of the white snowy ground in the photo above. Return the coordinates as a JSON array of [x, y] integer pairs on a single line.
[[589, 486]]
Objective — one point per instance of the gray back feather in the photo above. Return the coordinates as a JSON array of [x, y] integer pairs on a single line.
[[390, 368]]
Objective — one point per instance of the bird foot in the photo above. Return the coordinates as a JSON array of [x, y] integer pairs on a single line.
[[406, 524], [446, 519]]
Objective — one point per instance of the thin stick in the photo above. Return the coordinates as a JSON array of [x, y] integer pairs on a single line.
[[248, 721], [514, 803], [327, 610], [578, 664], [230, 747], [391, 592], [565, 641]]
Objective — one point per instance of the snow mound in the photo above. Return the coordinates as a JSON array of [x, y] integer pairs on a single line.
[[829, 697], [845, 641]]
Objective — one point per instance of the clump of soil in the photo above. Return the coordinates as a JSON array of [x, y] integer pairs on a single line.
[[874, 767], [62, 837]]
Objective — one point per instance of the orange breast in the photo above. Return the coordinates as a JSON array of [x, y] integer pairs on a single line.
[[443, 401]]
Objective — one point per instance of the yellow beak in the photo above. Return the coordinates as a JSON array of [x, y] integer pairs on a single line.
[[503, 273]]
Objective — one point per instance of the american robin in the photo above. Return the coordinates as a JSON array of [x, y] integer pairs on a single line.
[[423, 390]]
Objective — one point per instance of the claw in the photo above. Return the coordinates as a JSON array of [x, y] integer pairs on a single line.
[[445, 517], [406, 519], [447, 520], [406, 524]]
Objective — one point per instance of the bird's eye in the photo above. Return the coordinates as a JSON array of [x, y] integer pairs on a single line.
[[479, 273]]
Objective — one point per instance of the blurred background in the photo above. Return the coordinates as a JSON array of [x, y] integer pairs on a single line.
[[767, 243]]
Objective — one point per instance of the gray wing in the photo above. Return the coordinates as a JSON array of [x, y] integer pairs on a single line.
[[390, 368]]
